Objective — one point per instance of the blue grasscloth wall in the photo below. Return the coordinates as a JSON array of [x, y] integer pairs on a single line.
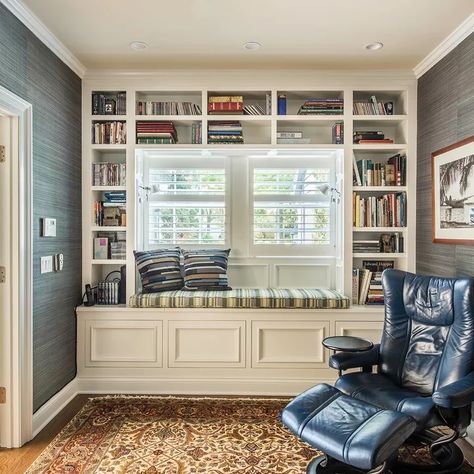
[[30, 70], [445, 116]]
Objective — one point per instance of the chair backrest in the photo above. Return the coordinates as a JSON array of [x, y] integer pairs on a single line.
[[428, 336]]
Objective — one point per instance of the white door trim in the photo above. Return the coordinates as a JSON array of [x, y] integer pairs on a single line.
[[21, 362]]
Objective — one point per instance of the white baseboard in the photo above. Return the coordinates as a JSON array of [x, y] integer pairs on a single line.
[[233, 386], [53, 406]]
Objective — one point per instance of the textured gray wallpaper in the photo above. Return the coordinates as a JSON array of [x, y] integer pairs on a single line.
[[29, 69], [445, 116]]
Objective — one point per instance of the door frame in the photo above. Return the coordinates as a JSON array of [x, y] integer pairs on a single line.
[[20, 280]]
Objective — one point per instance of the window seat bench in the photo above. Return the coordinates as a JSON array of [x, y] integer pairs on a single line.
[[244, 298]]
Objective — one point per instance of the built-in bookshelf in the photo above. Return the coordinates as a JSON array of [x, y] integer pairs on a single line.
[[317, 116]]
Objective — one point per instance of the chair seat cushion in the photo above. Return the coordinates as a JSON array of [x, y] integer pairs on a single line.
[[349, 430], [242, 298], [380, 391]]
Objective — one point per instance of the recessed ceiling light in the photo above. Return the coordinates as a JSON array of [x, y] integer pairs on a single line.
[[252, 45], [374, 46], [138, 45]]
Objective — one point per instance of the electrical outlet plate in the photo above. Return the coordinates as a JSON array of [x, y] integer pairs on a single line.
[[2, 153], [3, 275]]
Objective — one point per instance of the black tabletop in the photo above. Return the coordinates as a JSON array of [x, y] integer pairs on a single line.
[[347, 344]]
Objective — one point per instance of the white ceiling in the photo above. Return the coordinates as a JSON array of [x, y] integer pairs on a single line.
[[210, 33]]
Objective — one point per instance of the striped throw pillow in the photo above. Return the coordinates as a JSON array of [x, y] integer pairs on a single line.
[[160, 270], [206, 269]]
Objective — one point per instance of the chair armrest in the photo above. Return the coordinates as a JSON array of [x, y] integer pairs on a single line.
[[353, 360], [457, 394]]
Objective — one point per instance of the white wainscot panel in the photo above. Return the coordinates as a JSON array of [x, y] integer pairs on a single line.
[[206, 343], [284, 344], [303, 276], [371, 330], [248, 275], [118, 343]]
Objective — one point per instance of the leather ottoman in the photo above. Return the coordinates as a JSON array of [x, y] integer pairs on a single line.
[[349, 430]]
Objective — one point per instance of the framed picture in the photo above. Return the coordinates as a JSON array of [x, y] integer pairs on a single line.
[[453, 193]]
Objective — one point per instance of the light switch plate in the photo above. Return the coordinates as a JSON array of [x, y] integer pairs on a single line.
[[49, 227], [47, 264]]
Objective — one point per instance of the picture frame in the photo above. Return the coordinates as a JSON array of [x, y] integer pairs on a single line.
[[453, 193]]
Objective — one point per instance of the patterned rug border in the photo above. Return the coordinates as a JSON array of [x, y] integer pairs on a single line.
[[73, 424]]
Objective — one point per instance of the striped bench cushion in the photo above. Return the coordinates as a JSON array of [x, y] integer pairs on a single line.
[[244, 298]]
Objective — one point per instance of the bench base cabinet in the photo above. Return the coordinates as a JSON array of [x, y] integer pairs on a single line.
[[246, 352]]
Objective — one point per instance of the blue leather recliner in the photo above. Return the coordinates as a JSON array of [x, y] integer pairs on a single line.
[[424, 379]]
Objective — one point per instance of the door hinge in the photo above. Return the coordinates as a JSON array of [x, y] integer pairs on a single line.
[[3, 275], [3, 395], [2, 153]]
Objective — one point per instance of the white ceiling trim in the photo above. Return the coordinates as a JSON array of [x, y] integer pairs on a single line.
[[446, 46], [38, 28]]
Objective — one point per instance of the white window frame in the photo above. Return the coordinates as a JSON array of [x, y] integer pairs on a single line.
[[197, 162], [291, 250]]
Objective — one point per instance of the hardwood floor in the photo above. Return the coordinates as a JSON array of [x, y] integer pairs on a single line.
[[16, 461]]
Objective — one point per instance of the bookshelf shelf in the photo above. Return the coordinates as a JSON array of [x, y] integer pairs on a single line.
[[108, 147], [108, 188], [380, 230], [309, 118], [390, 189], [167, 118], [109, 261], [109, 118], [395, 147], [379, 255], [103, 228], [379, 118]]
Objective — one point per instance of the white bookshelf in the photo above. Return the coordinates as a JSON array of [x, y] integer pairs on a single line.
[[260, 132]]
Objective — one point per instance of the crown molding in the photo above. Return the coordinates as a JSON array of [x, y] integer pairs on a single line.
[[446, 46], [39, 29]]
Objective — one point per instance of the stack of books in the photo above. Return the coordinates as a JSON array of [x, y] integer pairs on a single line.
[[112, 211], [196, 133], [373, 107], [225, 104], [366, 246], [225, 132], [387, 243], [109, 103], [367, 282], [156, 133], [291, 138], [392, 173], [109, 133], [370, 136], [321, 106], [338, 133], [387, 210], [109, 174], [167, 108], [110, 246], [118, 250]]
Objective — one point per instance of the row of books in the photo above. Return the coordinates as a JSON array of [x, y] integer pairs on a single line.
[[156, 132], [373, 107], [196, 133], [109, 103], [387, 210], [225, 133], [367, 282], [112, 211], [370, 136], [167, 108], [107, 292], [109, 133], [225, 104], [110, 246], [109, 174], [322, 106], [386, 243], [391, 173], [253, 110]]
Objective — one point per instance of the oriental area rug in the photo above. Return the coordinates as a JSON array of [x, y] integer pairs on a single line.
[[178, 435]]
